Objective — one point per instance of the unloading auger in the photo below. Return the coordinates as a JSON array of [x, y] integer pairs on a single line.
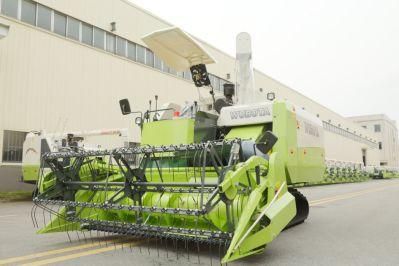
[[221, 176]]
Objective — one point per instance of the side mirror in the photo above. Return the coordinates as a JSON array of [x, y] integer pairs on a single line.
[[125, 106]]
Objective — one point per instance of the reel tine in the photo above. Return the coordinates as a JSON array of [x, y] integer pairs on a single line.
[[156, 243], [113, 240], [36, 219], [98, 232], [188, 250], [175, 246], [225, 248], [210, 252], [148, 245], [220, 257], [84, 235], [198, 252], [59, 216], [32, 216], [67, 233], [105, 237], [91, 236], [51, 224], [44, 218], [166, 247], [77, 234]]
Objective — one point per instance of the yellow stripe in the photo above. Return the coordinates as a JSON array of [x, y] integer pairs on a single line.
[[340, 196], [51, 252], [6, 216], [356, 192], [76, 255], [349, 195]]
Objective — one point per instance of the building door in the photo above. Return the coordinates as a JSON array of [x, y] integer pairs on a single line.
[[364, 152]]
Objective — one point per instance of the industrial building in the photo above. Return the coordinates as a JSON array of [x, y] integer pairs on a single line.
[[65, 64], [387, 135]]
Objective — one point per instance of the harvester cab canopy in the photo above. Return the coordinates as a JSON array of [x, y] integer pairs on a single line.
[[177, 49], [181, 52]]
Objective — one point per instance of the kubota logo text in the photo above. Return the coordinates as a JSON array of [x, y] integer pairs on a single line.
[[250, 113]]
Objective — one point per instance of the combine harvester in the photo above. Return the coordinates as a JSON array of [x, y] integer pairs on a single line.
[[349, 172], [37, 143], [384, 172], [218, 174], [343, 172]]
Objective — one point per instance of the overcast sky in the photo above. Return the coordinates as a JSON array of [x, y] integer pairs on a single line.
[[343, 53]]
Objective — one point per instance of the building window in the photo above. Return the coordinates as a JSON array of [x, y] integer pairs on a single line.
[[149, 58], [44, 17], [380, 145], [377, 128], [347, 134], [212, 80], [111, 43], [74, 28], [60, 22], [172, 71], [221, 85], [131, 51], [364, 127], [87, 34], [187, 74], [12, 146], [216, 86], [121, 46], [28, 12], [141, 54], [165, 68], [10, 8], [99, 38], [157, 63]]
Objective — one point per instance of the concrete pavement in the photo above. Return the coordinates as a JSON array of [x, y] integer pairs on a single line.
[[349, 224]]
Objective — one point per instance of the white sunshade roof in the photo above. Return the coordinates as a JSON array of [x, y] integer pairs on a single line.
[[177, 49]]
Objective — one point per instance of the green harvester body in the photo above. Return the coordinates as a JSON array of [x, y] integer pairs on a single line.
[[204, 190]]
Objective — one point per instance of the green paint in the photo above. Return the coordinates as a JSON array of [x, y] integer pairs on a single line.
[[305, 164], [167, 132], [30, 173], [246, 132]]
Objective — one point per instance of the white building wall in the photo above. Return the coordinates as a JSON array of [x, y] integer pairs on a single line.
[[132, 22], [338, 146], [57, 84], [54, 83], [388, 136]]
